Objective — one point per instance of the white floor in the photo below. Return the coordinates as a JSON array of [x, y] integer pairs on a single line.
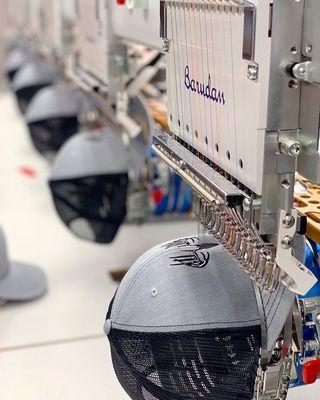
[[53, 348]]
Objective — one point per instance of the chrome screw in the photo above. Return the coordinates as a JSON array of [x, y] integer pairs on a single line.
[[291, 147], [166, 45], [253, 72], [288, 221], [309, 48], [295, 149], [287, 242], [246, 204], [182, 164]]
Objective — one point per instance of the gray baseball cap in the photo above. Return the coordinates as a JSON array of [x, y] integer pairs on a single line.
[[52, 117], [15, 60], [55, 101], [89, 154], [187, 322], [33, 76], [89, 182], [19, 281]]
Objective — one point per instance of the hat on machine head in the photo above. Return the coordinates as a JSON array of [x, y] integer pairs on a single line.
[[33, 76], [15, 60], [52, 118], [89, 183], [19, 281], [187, 323]]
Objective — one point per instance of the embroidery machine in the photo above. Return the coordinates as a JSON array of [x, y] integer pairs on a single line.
[[243, 106], [243, 115]]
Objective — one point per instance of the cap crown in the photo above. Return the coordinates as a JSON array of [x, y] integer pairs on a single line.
[[187, 284], [16, 59], [34, 73], [90, 154], [53, 102]]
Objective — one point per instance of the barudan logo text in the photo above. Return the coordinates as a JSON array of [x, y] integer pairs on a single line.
[[203, 89]]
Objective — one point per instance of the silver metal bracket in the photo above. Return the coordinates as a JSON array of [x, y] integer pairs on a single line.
[[143, 77], [294, 274], [305, 72], [273, 384], [204, 180], [308, 72], [310, 310], [132, 128]]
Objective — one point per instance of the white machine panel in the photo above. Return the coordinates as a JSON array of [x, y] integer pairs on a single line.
[[12, 14], [212, 104], [20, 14], [138, 22], [52, 23], [34, 28], [93, 38]]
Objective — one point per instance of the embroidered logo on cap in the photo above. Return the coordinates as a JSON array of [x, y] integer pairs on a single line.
[[192, 253]]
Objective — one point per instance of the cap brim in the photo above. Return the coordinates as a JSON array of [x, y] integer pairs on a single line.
[[24, 282]]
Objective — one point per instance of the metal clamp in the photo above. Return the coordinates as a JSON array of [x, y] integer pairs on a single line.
[[207, 182], [303, 72], [310, 312], [273, 384], [294, 274], [132, 128]]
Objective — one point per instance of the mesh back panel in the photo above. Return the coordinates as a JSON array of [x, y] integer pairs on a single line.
[[48, 136], [11, 75], [216, 364], [24, 96], [100, 200]]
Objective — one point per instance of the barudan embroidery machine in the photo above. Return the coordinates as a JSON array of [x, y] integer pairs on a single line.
[[237, 111], [243, 104], [243, 112]]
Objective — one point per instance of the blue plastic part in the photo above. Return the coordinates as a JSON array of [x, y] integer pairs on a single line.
[[175, 194], [312, 263], [309, 333]]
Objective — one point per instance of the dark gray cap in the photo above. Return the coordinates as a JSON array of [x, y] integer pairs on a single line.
[[53, 102], [34, 73], [16, 59], [19, 281], [90, 154], [194, 284], [89, 182], [96, 153]]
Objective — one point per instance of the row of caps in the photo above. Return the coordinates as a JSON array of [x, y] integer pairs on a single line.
[[257, 260]]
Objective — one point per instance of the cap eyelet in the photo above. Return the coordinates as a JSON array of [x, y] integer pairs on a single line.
[[154, 292]]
